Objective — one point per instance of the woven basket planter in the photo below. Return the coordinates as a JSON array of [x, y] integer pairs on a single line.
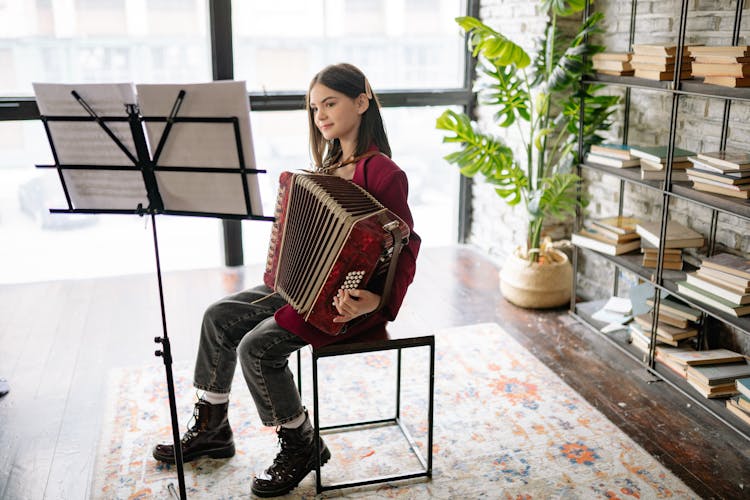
[[534, 285]]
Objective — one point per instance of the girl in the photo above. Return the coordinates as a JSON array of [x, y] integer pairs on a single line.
[[347, 139]]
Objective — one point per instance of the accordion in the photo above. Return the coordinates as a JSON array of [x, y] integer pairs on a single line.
[[329, 234]]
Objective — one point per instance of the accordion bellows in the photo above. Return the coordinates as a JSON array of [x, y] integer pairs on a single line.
[[328, 234]]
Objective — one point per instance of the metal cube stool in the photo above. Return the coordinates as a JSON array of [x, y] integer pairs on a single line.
[[377, 340]]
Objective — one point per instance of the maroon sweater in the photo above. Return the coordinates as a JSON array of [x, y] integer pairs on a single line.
[[384, 180]]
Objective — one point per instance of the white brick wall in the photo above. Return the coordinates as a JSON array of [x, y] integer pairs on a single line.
[[699, 128]]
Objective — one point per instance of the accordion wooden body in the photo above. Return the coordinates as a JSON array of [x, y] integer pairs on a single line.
[[328, 234]]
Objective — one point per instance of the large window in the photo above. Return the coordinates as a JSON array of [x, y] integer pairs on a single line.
[[402, 45]]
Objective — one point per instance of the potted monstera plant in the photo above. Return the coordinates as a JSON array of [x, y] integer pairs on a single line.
[[542, 97]]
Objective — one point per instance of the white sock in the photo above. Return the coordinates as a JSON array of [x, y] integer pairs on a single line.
[[215, 398], [293, 424]]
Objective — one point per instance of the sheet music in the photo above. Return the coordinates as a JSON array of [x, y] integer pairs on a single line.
[[85, 143], [110, 189], [206, 192], [204, 145]]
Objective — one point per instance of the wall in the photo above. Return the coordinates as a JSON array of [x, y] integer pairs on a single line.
[[699, 128]]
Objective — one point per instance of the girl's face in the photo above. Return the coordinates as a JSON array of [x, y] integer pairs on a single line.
[[336, 115]]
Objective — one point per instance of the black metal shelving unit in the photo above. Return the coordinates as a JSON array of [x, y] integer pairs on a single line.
[[664, 281]]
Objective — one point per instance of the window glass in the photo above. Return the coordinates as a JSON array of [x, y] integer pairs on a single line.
[[398, 44], [281, 144], [72, 41]]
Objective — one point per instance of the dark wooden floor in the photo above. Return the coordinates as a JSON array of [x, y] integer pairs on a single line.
[[59, 340]]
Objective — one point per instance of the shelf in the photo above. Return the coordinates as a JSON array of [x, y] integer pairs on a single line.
[[692, 87], [715, 406], [742, 324], [632, 262], [630, 174], [732, 206], [619, 339]]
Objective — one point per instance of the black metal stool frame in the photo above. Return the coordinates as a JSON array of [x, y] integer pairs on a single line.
[[373, 346]]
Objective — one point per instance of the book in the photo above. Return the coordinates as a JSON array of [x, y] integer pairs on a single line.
[[612, 65], [712, 300], [712, 188], [743, 402], [614, 150], [611, 162], [669, 254], [728, 263], [729, 279], [708, 391], [658, 154], [651, 59], [658, 166], [677, 309], [593, 241], [743, 386], [707, 357], [612, 56], [612, 235], [718, 374], [677, 235], [709, 276], [725, 50], [728, 159], [712, 69], [708, 166], [657, 50], [711, 176], [660, 175], [618, 223], [727, 81], [614, 72], [734, 407], [651, 264], [718, 290], [661, 75], [666, 332], [657, 66], [720, 59], [676, 367], [703, 180], [667, 318]]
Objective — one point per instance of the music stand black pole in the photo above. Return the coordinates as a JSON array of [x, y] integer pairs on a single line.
[[166, 355], [147, 166]]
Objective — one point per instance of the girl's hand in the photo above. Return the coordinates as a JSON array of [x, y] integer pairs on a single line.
[[353, 303]]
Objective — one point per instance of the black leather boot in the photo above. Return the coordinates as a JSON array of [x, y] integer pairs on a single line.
[[295, 461], [210, 436]]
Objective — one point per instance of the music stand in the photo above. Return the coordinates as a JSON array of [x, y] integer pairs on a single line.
[[129, 180]]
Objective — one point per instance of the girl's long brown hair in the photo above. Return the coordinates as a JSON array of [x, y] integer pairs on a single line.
[[350, 81]]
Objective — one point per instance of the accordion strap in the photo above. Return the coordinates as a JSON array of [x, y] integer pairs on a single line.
[[399, 240]]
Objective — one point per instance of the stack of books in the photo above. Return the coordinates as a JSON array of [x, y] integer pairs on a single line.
[[612, 155], [675, 326], [721, 172], [722, 282], [678, 359], [724, 65], [609, 235], [672, 258], [612, 63], [657, 62], [654, 161], [677, 235], [719, 379], [740, 404]]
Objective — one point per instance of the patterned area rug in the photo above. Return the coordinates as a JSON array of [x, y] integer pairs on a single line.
[[505, 427]]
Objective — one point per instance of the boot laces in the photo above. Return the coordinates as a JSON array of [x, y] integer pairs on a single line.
[[195, 420], [289, 444]]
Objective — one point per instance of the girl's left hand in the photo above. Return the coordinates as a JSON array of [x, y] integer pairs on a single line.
[[353, 303]]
